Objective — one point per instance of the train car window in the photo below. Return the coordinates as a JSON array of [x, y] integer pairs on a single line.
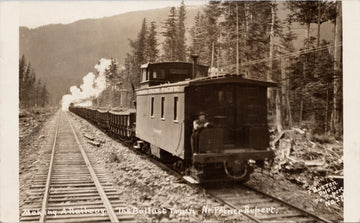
[[159, 74], [176, 101], [144, 75], [229, 96], [162, 106], [179, 71], [225, 97], [221, 97], [152, 107]]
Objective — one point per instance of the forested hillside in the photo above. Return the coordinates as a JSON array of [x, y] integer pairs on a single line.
[[63, 54]]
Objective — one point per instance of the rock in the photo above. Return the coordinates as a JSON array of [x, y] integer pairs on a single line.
[[35, 161], [113, 158], [89, 136], [41, 137], [94, 143]]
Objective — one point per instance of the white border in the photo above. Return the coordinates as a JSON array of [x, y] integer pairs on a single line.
[[9, 162], [9, 121]]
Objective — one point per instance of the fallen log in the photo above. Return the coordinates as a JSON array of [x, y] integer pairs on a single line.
[[312, 163], [337, 177]]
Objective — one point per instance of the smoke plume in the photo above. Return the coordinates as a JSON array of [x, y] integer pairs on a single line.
[[91, 87]]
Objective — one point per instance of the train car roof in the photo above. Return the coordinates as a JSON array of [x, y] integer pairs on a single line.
[[230, 78], [221, 79], [166, 63]]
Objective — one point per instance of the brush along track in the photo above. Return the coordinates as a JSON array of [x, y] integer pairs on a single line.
[[70, 189]]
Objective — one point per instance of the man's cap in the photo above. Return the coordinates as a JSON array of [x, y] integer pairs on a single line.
[[202, 113]]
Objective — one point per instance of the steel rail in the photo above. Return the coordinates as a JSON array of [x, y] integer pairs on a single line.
[[48, 179], [112, 215], [302, 211], [289, 205], [231, 205]]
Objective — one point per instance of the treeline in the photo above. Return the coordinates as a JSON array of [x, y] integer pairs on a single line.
[[311, 79], [32, 92], [248, 38], [145, 48]]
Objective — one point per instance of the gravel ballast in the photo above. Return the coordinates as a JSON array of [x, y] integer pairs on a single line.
[[145, 186]]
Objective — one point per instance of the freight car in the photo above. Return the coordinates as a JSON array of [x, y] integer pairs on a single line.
[[120, 123], [169, 99]]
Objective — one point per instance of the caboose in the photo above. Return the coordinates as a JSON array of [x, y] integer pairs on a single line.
[[169, 99]]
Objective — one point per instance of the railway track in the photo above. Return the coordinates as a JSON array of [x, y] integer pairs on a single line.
[[259, 206], [70, 189], [252, 203]]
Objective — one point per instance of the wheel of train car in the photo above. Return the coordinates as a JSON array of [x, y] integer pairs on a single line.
[[179, 166], [238, 170], [146, 149]]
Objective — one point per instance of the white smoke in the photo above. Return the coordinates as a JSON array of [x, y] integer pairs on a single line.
[[91, 87]]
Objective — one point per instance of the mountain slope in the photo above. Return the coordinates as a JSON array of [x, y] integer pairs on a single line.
[[62, 54]]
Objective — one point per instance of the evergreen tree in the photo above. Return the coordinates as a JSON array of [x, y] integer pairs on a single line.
[[141, 44], [170, 34], [22, 70], [111, 73], [27, 86], [44, 96], [205, 34], [212, 13], [30, 89], [114, 81], [229, 35], [151, 43], [38, 89], [137, 56], [198, 35], [180, 34], [248, 26]]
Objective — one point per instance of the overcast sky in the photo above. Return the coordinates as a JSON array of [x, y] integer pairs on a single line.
[[38, 13]]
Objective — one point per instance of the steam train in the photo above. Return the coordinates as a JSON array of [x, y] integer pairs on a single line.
[[169, 99]]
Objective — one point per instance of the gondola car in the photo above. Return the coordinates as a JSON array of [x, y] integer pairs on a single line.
[[171, 96], [122, 122]]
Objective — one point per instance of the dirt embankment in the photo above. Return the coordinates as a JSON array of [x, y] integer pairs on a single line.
[[31, 120]]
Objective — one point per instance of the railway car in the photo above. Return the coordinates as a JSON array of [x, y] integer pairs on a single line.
[[169, 99], [167, 105], [122, 123], [102, 118]]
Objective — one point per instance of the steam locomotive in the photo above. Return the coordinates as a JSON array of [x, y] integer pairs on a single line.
[[169, 99]]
